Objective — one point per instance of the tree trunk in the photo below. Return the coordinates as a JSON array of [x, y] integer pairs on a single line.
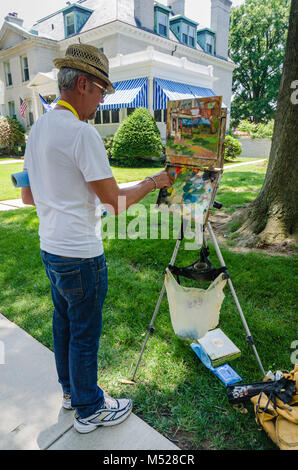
[[272, 216]]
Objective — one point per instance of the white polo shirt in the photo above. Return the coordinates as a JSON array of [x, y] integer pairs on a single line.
[[62, 155]]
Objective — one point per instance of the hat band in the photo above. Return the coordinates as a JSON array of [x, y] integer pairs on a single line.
[[99, 70]]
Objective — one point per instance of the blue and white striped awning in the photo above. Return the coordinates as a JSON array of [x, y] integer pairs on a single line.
[[128, 94], [167, 90]]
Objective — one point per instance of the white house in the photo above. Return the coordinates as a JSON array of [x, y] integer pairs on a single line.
[[155, 52]]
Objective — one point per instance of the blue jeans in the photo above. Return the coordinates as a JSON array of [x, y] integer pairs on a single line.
[[79, 287]]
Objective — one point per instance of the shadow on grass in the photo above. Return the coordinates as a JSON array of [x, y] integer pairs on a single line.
[[239, 188]]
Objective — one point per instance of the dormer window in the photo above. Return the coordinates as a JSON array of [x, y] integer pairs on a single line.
[[75, 16], [184, 30], [206, 39], [161, 22]]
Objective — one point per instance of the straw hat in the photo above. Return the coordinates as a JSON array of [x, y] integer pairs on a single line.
[[88, 59]]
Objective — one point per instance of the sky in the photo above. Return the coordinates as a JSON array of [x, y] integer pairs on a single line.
[[31, 10]]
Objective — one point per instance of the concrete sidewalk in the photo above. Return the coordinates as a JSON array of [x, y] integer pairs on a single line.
[[11, 160], [30, 405], [11, 204], [253, 162]]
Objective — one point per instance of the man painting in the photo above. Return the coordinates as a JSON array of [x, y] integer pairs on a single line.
[[68, 168]]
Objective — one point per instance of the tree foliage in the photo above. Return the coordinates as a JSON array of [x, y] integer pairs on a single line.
[[257, 44], [272, 216], [257, 131]]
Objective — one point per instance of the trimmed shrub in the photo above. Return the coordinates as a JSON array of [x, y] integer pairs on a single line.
[[233, 148], [138, 137]]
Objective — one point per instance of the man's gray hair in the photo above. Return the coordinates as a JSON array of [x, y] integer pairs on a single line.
[[67, 78]]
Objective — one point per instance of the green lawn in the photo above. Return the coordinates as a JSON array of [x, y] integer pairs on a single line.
[[174, 393], [240, 185], [7, 190], [122, 175]]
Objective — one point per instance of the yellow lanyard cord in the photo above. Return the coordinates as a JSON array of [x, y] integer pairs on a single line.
[[67, 105]]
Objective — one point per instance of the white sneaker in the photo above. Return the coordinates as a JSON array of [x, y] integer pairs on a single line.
[[112, 412], [66, 402]]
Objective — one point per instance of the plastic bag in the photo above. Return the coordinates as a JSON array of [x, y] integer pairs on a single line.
[[194, 311]]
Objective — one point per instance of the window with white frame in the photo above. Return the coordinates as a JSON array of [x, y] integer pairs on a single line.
[[191, 37], [188, 35], [184, 33], [115, 116], [209, 44], [11, 109], [107, 116], [8, 75], [162, 24], [25, 69], [97, 119], [160, 115], [157, 115], [70, 24], [129, 111]]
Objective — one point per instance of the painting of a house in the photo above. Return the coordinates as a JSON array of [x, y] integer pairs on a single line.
[[193, 127]]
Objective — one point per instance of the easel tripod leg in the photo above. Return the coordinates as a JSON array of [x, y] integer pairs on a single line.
[[151, 326], [150, 329], [221, 260]]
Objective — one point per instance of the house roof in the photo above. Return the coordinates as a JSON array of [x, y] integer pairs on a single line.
[[64, 9], [103, 13], [7, 26]]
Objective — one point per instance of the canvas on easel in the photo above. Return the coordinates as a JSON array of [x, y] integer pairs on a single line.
[[194, 155]]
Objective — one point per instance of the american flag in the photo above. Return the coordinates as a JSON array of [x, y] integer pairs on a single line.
[[23, 108]]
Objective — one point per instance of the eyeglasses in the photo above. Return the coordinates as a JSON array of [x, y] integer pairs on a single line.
[[104, 92]]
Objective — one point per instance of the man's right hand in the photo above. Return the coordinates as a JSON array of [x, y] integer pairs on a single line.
[[163, 179], [108, 191]]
